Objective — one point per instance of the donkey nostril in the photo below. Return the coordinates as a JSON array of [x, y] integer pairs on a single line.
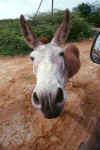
[[60, 96], [35, 98]]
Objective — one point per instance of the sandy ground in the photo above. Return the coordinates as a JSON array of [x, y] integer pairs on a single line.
[[23, 127]]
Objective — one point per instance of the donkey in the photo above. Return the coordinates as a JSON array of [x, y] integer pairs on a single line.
[[52, 66]]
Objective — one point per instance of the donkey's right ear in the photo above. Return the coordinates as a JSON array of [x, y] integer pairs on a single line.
[[63, 30], [28, 34]]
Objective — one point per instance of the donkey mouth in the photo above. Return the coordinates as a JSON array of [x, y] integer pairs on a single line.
[[54, 114]]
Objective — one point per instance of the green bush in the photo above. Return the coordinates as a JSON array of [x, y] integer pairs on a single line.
[[11, 40], [80, 29], [44, 25], [91, 12]]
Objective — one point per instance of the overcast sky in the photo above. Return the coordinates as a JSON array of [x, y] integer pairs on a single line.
[[13, 8]]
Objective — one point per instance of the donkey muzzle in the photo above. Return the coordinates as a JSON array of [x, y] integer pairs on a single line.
[[51, 106]]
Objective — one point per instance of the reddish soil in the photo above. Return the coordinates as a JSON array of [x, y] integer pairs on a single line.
[[22, 127]]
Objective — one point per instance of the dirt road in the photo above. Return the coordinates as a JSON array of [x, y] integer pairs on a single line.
[[22, 127]]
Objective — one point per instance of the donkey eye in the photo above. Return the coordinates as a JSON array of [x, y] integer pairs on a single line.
[[32, 58], [61, 54]]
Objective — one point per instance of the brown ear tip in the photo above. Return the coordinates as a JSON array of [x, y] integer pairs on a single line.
[[67, 11], [21, 17], [67, 14]]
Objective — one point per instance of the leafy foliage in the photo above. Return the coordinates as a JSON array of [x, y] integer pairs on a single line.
[[91, 12], [80, 29], [44, 25], [11, 40]]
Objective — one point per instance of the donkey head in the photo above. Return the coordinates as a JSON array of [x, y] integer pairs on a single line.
[[52, 66]]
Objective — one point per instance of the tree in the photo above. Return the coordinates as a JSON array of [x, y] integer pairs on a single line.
[[84, 9]]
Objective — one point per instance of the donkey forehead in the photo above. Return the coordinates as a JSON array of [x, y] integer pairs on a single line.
[[47, 50]]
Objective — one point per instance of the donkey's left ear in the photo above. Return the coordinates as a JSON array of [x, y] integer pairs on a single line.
[[63, 30], [72, 59], [28, 34]]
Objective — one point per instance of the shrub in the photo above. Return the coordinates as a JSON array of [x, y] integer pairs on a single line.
[[80, 29], [91, 12], [11, 41], [44, 25]]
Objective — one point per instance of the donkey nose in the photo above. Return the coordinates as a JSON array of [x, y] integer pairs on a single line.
[[50, 104], [35, 98], [59, 96], [54, 107]]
